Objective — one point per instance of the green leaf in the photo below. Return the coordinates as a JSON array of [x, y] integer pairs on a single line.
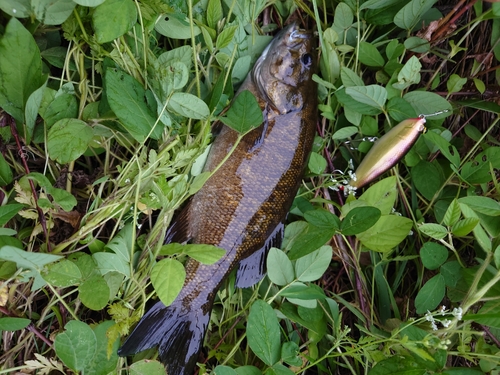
[[387, 233], [433, 255], [426, 103], [452, 214], [76, 346], [6, 176], [53, 12], [309, 240], [369, 55], [206, 254], [316, 163], [13, 324], [432, 230], [225, 370], [322, 219], [126, 98], [355, 106], [344, 133], [8, 211], [147, 367], [427, 178], [62, 144], [31, 112], [418, 45], [483, 205], [430, 295], [16, 8], [359, 219], [279, 267], [94, 293], [214, 13], [176, 29], [398, 365], [350, 78], [455, 83], [105, 358], [113, 18], [463, 227], [412, 12], [107, 262], [451, 273], [63, 198], [372, 95], [64, 106], [20, 69], [62, 274], [481, 236], [167, 277], [189, 106], [409, 74], [301, 291], [89, 3], [400, 110], [244, 114], [278, 369], [312, 266], [444, 146], [225, 37], [263, 332], [382, 195]]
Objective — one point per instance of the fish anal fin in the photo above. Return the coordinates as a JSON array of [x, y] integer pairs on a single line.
[[253, 268], [179, 231]]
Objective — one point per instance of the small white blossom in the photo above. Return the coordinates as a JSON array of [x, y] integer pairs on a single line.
[[446, 323], [428, 316], [352, 175], [127, 181], [350, 164], [457, 313], [442, 310]]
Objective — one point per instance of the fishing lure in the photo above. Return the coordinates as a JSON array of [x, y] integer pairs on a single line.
[[389, 149]]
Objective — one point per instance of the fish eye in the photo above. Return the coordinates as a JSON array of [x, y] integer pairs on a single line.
[[306, 59]]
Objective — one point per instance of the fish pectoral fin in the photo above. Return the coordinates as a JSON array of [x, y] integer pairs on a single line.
[[253, 268], [179, 231]]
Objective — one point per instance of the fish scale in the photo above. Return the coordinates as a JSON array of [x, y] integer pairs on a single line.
[[242, 206]]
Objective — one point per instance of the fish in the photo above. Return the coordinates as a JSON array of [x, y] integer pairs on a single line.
[[388, 150], [242, 207]]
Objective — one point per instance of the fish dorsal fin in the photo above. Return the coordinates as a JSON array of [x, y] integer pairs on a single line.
[[253, 268], [179, 231]]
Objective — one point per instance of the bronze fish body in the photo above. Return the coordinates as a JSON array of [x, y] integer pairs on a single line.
[[243, 205]]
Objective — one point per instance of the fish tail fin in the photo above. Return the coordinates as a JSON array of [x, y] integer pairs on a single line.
[[177, 331]]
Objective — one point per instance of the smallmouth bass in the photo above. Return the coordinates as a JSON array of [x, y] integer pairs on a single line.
[[242, 206]]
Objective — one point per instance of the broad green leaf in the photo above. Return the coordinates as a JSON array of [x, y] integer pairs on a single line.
[[113, 18], [62, 197], [398, 365], [225, 37], [309, 240], [346, 132], [412, 12], [400, 110], [31, 112], [312, 266], [248, 370], [290, 354], [452, 214], [349, 102], [426, 103], [409, 74], [455, 83], [105, 358], [62, 144], [224, 370], [214, 13], [167, 277], [13, 324], [369, 55], [53, 12], [126, 98], [433, 255], [76, 346], [482, 205], [189, 106], [8, 211], [147, 367], [6, 176], [316, 163], [344, 17], [62, 274], [372, 95], [175, 28], [263, 332], [451, 273], [481, 236], [430, 295], [387, 233], [16, 8], [444, 146], [63, 106], [427, 178], [244, 114], [432, 230], [350, 78], [182, 54], [382, 195], [359, 219], [108, 262], [488, 315], [418, 45], [206, 254], [300, 291], [322, 219], [278, 369], [20, 69], [89, 3], [463, 227], [94, 293], [376, 4], [279, 267]]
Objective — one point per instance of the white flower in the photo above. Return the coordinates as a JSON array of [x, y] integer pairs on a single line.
[[446, 323], [457, 313]]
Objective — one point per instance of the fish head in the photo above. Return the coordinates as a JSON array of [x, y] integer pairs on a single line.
[[283, 73]]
